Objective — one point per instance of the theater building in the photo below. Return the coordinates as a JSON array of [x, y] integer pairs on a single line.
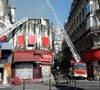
[[32, 53]]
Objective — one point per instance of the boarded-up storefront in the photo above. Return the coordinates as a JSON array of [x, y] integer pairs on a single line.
[[31, 64], [24, 70]]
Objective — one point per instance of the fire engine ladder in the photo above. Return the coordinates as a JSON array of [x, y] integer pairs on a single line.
[[10, 30], [66, 37]]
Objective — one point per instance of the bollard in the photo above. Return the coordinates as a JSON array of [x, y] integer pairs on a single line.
[[24, 84]]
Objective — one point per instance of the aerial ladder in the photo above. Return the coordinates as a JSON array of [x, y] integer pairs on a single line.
[[79, 68], [66, 36], [11, 31]]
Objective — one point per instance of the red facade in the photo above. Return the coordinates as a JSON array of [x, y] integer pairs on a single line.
[[45, 41], [21, 40], [32, 40], [30, 55], [46, 58], [22, 56]]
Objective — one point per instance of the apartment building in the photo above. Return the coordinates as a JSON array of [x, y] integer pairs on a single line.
[[83, 26]]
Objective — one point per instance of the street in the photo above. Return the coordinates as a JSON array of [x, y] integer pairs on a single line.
[[80, 85]]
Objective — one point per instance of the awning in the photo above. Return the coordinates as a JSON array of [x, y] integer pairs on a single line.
[[46, 58], [41, 52], [91, 55], [20, 56], [29, 56]]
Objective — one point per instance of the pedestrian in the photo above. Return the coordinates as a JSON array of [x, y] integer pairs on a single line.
[[67, 76]]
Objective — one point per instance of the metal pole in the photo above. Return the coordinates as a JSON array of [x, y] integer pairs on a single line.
[[49, 82], [99, 80], [24, 84], [75, 84]]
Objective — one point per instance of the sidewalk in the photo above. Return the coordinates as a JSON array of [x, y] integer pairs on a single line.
[[34, 86], [5, 87]]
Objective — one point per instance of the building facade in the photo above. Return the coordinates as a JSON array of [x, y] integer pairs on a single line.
[[6, 20], [83, 28], [25, 46], [32, 50]]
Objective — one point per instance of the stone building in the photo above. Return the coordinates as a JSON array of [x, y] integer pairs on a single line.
[[83, 26]]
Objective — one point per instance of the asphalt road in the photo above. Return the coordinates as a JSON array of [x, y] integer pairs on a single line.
[[80, 85], [5, 87]]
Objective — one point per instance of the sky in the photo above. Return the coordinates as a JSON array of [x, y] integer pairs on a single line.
[[38, 9]]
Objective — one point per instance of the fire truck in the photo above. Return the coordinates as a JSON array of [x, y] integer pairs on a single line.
[[78, 67], [79, 70]]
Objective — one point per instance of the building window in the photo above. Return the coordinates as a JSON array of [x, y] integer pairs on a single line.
[[83, 12], [89, 8], [89, 22], [97, 39], [99, 4], [80, 17]]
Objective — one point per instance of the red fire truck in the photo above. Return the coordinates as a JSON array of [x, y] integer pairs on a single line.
[[79, 70]]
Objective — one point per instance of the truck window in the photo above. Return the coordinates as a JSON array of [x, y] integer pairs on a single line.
[[79, 66]]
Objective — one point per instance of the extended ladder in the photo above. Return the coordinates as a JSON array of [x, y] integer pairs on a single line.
[[11, 31], [66, 37], [14, 26]]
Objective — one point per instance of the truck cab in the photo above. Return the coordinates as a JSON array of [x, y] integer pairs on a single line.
[[79, 70]]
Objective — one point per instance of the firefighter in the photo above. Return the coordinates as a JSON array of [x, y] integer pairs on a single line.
[[56, 69], [70, 76], [55, 74]]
